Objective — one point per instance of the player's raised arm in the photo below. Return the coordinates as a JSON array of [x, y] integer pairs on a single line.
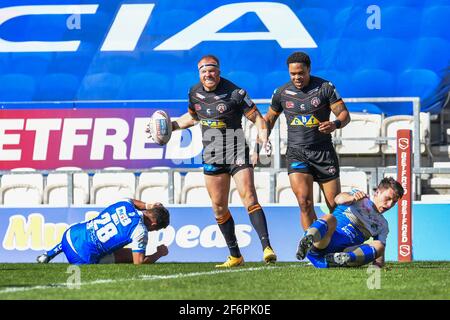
[[349, 198]]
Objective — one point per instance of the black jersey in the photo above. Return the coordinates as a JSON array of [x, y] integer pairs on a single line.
[[304, 109], [220, 114]]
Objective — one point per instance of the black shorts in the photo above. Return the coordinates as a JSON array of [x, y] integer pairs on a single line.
[[320, 161], [232, 169]]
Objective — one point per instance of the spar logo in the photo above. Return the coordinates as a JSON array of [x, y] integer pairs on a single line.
[[403, 143], [405, 250]]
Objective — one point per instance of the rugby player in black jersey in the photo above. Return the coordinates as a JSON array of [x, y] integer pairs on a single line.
[[218, 104], [307, 102]]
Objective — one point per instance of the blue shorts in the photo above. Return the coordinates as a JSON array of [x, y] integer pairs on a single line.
[[346, 235], [76, 246]]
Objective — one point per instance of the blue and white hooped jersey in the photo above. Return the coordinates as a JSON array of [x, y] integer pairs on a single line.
[[366, 218], [116, 226]]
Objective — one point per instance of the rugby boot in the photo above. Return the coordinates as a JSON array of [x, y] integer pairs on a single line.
[[232, 262]]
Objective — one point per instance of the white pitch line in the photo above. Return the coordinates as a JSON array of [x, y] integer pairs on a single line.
[[147, 278]]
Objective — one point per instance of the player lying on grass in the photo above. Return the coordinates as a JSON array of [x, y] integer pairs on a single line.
[[124, 222], [337, 240]]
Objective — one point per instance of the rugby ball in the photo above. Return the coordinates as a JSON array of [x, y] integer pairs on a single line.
[[160, 127]]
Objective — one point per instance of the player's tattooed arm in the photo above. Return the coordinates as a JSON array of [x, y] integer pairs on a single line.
[[271, 117], [185, 121], [342, 118]]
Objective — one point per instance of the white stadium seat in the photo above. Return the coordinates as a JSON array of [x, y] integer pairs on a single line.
[[55, 192], [154, 187], [284, 193], [362, 125], [353, 179], [110, 187], [21, 189], [390, 126], [194, 189]]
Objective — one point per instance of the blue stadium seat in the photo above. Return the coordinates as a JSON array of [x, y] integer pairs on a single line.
[[351, 22], [146, 85], [386, 53], [172, 21], [182, 83], [340, 80], [75, 62], [94, 27], [339, 53], [316, 22], [417, 82], [17, 87], [57, 87], [4, 62], [113, 62], [273, 80], [34, 64], [247, 81], [430, 53], [400, 22], [100, 86], [372, 83], [435, 22]]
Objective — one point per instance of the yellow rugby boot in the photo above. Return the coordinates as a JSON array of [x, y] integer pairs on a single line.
[[232, 262], [269, 255]]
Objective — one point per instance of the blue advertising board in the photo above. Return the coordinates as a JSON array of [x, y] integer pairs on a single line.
[[193, 235]]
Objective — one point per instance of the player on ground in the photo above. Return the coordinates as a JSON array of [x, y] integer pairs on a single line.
[[337, 240], [307, 102], [219, 105], [124, 222]]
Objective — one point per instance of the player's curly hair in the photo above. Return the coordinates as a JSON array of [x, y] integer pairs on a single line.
[[299, 57], [162, 216], [390, 182]]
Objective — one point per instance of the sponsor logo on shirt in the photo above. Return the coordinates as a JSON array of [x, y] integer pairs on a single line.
[[289, 104], [306, 121], [198, 95], [198, 107], [292, 93], [221, 96], [217, 124]]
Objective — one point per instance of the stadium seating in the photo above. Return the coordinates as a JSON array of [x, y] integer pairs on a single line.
[[100, 86], [55, 191], [372, 83], [390, 125], [245, 80], [400, 22], [182, 83], [273, 80], [109, 187], [21, 189], [154, 187], [17, 87], [34, 64], [58, 86], [361, 126], [353, 180], [391, 58], [194, 189], [145, 85], [434, 21]]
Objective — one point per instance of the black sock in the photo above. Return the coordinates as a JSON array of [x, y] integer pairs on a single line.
[[258, 220], [226, 226]]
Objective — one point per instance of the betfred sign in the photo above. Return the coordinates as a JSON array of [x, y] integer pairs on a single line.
[[404, 175]]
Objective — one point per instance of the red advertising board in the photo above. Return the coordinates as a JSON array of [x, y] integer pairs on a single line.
[[404, 176]]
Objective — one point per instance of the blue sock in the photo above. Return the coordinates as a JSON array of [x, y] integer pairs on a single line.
[[363, 254], [318, 229], [55, 251]]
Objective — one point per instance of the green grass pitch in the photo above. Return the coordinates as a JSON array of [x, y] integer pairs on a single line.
[[201, 281]]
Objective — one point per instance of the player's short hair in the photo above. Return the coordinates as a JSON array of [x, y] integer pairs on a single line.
[[162, 216], [299, 57], [210, 56], [390, 182]]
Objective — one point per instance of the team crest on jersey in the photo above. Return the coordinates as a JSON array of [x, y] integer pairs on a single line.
[[221, 108], [197, 107], [315, 101], [290, 104], [306, 121], [216, 124]]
